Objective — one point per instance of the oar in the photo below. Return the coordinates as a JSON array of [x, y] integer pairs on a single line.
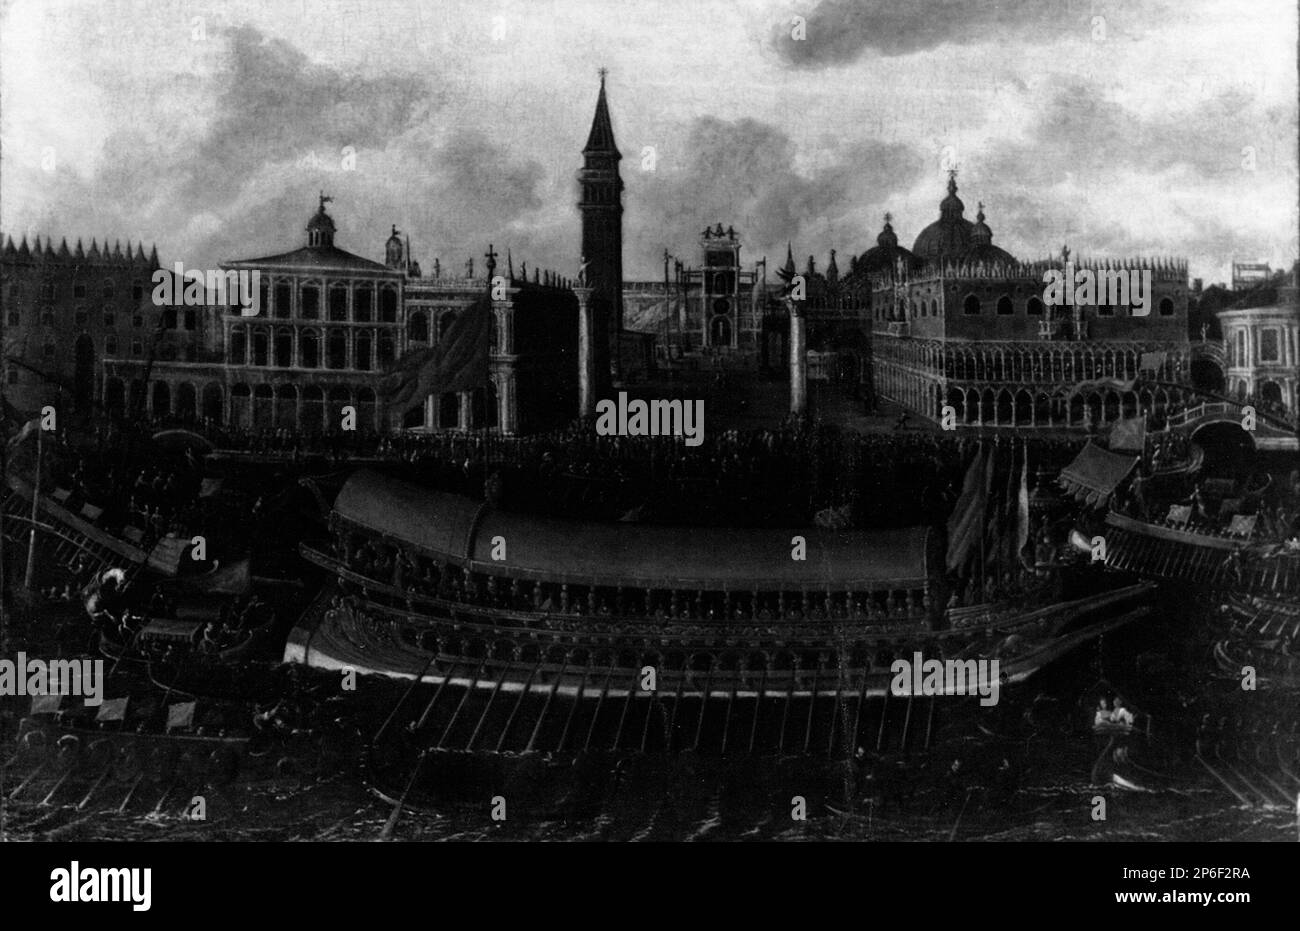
[[22, 785], [391, 824], [1241, 798], [98, 782], [952, 835], [58, 785], [129, 793]]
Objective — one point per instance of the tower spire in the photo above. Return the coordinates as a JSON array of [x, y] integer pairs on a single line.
[[601, 137], [601, 205]]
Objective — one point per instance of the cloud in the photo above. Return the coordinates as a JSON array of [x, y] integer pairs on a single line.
[[745, 173], [243, 182], [839, 32]]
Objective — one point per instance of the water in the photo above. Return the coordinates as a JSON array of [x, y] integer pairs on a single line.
[[1042, 792]]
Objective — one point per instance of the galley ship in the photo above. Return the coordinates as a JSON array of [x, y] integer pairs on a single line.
[[536, 633]]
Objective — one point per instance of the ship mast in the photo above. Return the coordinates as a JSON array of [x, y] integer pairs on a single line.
[[36, 502]]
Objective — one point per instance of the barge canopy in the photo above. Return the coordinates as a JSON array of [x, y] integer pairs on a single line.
[[462, 531]]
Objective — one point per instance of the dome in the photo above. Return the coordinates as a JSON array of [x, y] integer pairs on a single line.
[[320, 221], [950, 236], [881, 258], [982, 248], [320, 228]]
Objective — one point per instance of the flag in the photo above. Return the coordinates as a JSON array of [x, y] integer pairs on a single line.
[[1129, 434], [457, 363], [1022, 508], [114, 709], [27, 430], [995, 541], [46, 704], [180, 715], [1151, 362], [966, 523]]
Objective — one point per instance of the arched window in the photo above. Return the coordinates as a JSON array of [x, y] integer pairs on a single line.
[[337, 356], [238, 352], [934, 307], [445, 322], [417, 328], [1166, 307], [1004, 306], [110, 344], [261, 347], [309, 350], [1034, 308], [363, 351], [721, 331], [284, 348], [386, 351], [388, 305], [338, 309], [283, 299], [362, 299], [971, 306], [309, 300]]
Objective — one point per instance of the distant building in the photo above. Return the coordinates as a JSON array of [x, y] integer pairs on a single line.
[[1247, 275], [532, 360], [1262, 346], [332, 324], [958, 322], [65, 310]]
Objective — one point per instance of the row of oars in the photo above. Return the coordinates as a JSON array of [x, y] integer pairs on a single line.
[[793, 735], [664, 708], [1252, 784], [73, 768]]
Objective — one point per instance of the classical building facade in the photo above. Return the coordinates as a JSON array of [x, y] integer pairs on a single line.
[[958, 322], [65, 310], [330, 325], [1262, 346]]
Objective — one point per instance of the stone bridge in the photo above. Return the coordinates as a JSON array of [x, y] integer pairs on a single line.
[[1270, 432]]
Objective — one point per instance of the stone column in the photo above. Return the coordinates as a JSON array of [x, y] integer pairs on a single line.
[[586, 355], [507, 416], [798, 359], [466, 410]]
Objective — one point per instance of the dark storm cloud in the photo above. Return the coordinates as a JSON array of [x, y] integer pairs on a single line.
[[839, 32], [744, 174]]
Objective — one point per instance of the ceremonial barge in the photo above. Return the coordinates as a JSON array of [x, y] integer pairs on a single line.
[[535, 633]]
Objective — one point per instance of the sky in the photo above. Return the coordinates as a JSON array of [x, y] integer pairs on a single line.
[[1121, 129]]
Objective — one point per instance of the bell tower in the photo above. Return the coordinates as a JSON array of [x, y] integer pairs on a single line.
[[601, 203]]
